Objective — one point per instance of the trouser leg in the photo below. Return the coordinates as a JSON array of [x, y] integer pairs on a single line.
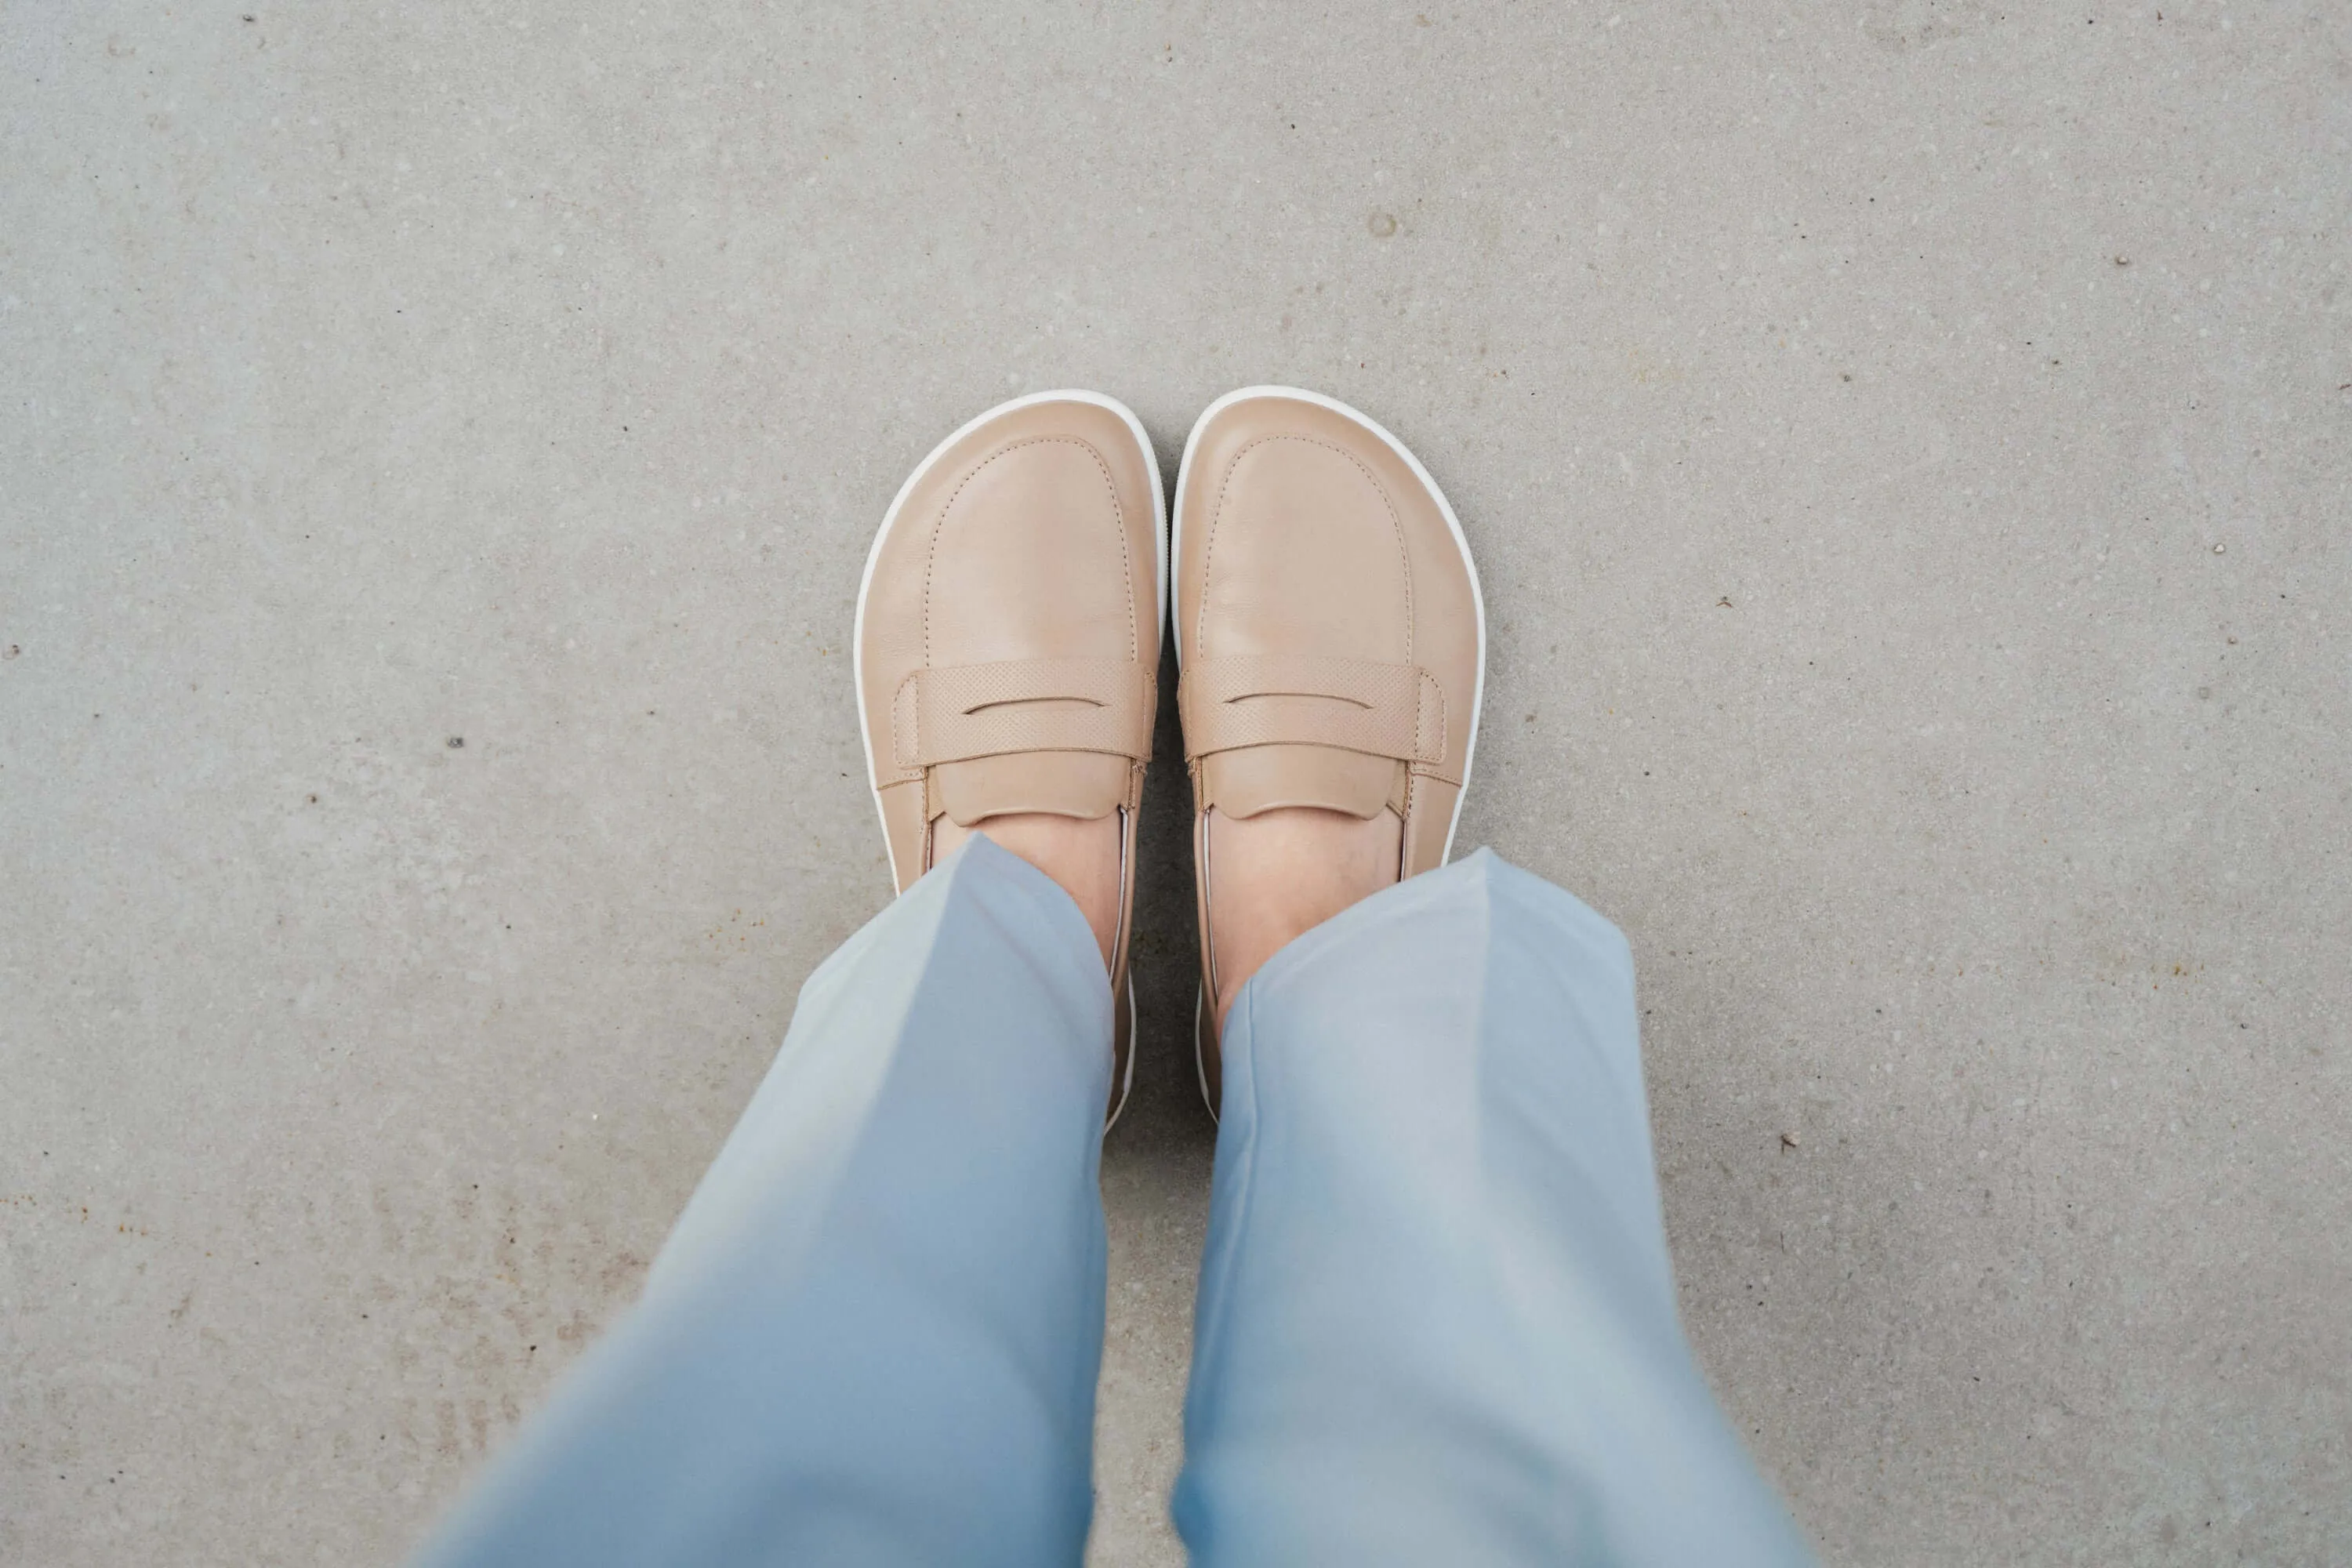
[[1436, 1320], [873, 1335]]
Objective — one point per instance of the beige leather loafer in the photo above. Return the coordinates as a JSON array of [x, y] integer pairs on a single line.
[[1329, 634], [1008, 638]]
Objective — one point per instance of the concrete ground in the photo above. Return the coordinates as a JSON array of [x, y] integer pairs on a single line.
[[1907, 447]]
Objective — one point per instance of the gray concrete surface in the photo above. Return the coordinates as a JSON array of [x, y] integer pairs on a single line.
[[1907, 448]]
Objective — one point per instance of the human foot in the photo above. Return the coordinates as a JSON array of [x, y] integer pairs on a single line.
[[1007, 650], [1332, 647]]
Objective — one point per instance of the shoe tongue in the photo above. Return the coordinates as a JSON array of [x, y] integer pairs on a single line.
[[1086, 785], [1261, 778]]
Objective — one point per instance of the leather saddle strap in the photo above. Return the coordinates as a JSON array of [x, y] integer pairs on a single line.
[[964, 712], [1357, 705]]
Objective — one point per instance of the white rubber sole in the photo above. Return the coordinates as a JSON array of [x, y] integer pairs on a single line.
[[1200, 1062], [1134, 1049], [1454, 523], [1477, 600]]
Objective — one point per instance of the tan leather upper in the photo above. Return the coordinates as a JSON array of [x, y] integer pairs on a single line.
[[1328, 629], [1009, 632], [1327, 624]]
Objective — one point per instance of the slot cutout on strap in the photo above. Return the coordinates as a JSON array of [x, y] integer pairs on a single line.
[[1395, 711], [965, 712]]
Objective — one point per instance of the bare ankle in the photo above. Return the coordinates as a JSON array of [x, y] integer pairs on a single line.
[[1081, 855], [1281, 873]]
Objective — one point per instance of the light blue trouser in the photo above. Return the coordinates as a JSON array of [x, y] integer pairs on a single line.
[[1435, 1323]]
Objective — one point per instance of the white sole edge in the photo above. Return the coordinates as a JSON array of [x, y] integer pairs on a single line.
[[1134, 1049], [1200, 1062]]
